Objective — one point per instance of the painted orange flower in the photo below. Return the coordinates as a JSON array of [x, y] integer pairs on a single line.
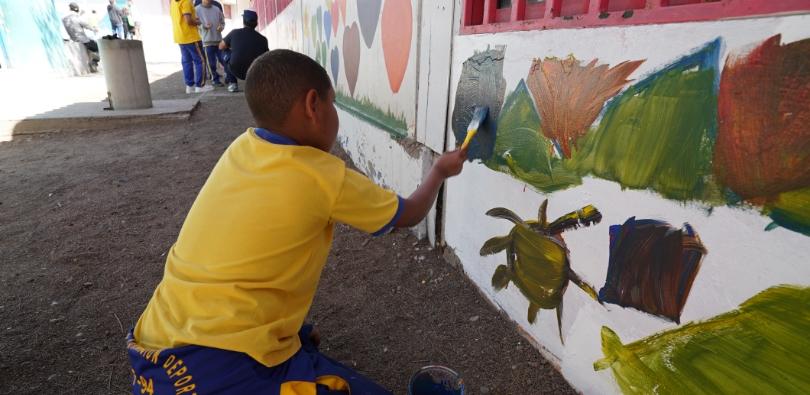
[[570, 96]]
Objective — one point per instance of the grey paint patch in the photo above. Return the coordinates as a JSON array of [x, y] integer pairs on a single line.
[[368, 14]]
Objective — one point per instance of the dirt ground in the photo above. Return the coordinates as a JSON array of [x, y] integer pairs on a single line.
[[87, 217]]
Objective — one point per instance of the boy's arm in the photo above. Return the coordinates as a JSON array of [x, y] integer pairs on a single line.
[[187, 9], [191, 21], [418, 204]]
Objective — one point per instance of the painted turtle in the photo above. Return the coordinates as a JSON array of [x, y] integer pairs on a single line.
[[537, 258]]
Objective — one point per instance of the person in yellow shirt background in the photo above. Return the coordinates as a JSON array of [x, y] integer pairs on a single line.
[[228, 315], [186, 34]]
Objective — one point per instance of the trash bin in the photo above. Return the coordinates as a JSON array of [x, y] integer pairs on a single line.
[[125, 72]]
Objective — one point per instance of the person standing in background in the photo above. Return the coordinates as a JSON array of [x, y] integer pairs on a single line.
[[213, 22], [134, 20], [184, 24], [214, 2], [116, 19], [126, 24]]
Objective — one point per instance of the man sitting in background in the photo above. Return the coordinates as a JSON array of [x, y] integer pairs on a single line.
[[243, 46], [75, 28]]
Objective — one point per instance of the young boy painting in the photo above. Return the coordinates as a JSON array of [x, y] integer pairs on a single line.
[[228, 315]]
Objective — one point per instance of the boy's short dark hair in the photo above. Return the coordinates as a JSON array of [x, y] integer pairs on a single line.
[[277, 79]]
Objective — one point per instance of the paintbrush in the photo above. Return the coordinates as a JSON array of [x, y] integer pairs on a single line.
[[479, 115]]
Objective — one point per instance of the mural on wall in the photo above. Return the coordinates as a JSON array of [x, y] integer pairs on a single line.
[[659, 133], [337, 30], [334, 13], [760, 348], [351, 55], [663, 133], [570, 96], [327, 26], [521, 152], [334, 61], [267, 10], [397, 28], [481, 84], [368, 14], [537, 258], [342, 9], [652, 266], [37, 42], [763, 144]]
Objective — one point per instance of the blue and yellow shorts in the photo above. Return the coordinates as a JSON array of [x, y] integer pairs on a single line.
[[197, 370]]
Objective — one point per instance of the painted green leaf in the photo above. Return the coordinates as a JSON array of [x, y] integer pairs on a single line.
[[760, 348], [659, 134], [791, 210], [522, 151]]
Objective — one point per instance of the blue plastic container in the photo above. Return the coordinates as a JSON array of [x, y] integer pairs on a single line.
[[436, 380]]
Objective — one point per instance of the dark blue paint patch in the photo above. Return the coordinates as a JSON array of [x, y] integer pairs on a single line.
[[652, 266], [481, 84]]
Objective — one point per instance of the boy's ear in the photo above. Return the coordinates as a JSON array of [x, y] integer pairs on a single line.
[[311, 103]]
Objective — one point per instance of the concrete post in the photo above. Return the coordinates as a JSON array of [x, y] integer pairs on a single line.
[[125, 72]]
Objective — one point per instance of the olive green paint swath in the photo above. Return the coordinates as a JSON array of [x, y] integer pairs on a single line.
[[479, 115]]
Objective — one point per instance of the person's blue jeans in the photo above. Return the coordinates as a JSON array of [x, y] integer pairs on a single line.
[[226, 56], [214, 55], [119, 30], [192, 60]]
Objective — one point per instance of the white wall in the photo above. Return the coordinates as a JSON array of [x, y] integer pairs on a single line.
[[742, 259], [396, 161]]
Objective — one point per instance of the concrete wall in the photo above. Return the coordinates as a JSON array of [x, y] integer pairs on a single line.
[[679, 150], [30, 37], [372, 57], [746, 250]]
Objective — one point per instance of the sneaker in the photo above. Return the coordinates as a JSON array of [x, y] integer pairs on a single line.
[[233, 88], [189, 90], [202, 89], [217, 84]]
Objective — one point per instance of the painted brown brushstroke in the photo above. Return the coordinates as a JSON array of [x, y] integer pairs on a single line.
[[570, 96], [652, 266], [763, 141]]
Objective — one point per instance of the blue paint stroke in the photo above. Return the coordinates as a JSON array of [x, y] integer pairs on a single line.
[[368, 14], [327, 25], [335, 63]]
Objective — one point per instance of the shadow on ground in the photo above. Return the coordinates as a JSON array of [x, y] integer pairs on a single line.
[[85, 222]]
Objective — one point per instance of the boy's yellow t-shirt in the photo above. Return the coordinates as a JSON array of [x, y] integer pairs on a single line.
[[183, 32], [246, 264]]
